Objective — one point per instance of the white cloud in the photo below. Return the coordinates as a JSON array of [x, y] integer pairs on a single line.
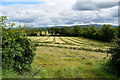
[[58, 12]]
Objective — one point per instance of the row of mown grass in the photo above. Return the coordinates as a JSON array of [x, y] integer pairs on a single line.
[[71, 43]]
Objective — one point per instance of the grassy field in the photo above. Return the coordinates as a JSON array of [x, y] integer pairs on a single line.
[[68, 57]]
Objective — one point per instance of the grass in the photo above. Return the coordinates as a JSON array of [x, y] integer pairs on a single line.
[[57, 60], [72, 47], [104, 68], [58, 40], [59, 57], [87, 44]]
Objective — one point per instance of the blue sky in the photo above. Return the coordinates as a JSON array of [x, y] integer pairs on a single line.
[[15, 3], [47, 13]]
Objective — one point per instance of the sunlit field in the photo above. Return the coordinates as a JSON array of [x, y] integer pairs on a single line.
[[69, 57]]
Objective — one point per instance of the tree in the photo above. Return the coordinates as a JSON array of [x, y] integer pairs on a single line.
[[45, 31], [77, 30], [54, 30], [89, 32], [51, 31], [105, 33], [40, 30], [66, 31]]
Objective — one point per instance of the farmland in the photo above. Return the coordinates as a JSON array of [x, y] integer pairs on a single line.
[[69, 57], [66, 57], [78, 43]]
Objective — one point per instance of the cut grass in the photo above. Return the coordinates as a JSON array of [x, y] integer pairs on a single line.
[[68, 63], [87, 44], [61, 57], [50, 39], [99, 43], [58, 40], [72, 47]]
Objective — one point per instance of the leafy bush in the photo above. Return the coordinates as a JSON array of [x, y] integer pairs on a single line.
[[17, 50], [115, 58]]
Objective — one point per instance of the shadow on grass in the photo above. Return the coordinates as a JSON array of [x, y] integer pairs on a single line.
[[105, 69]]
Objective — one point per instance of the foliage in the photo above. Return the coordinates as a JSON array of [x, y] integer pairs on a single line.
[[115, 57], [105, 33], [89, 31], [53, 30], [40, 31], [77, 30], [17, 50], [66, 31], [45, 31], [31, 32]]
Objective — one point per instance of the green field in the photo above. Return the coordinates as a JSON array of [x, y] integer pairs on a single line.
[[68, 57]]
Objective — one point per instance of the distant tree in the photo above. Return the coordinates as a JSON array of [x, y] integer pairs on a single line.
[[51, 30], [32, 32], [54, 30], [40, 30], [66, 31], [119, 31], [89, 31], [77, 30], [45, 31], [105, 33]]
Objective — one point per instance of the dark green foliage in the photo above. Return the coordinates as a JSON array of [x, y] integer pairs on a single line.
[[77, 30], [53, 30], [89, 31], [31, 32], [105, 33], [45, 31], [17, 50], [115, 57], [66, 31], [40, 31]]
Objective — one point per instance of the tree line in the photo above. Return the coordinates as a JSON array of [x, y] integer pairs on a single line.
[[104, 33]]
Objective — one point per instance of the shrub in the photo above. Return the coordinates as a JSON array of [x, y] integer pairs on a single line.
[[18, 51], [115, 57]]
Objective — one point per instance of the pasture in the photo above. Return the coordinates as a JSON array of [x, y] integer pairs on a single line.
[[67, 57]]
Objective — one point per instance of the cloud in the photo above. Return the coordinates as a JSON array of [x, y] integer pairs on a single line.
[[58, 13], [93, 5]]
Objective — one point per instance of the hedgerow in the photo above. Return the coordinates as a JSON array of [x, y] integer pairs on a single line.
[[17, 50]]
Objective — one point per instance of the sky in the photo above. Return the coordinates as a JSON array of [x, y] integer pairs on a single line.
[[48, 13]]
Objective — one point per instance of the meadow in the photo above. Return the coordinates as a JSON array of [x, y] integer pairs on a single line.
[[67, 57]]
